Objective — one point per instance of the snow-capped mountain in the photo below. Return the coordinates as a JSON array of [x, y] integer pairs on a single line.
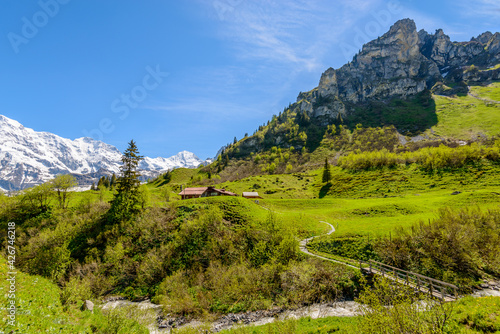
[[28, 158]]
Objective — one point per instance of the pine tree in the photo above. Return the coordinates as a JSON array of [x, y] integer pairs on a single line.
[[99, 183], [327, 176], [105, 182], [126, 201], [112, 183]]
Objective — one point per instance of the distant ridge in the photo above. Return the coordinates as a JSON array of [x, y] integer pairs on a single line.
[[28, 158]]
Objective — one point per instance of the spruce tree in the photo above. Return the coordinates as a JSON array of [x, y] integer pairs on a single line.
[[327, 176], [112, 183], [126, 201]]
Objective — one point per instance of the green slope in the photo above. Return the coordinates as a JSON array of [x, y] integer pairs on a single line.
[[39, 309], [466, 117]]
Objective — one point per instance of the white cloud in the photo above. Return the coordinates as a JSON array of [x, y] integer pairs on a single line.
[[486, 9], [297, 33]]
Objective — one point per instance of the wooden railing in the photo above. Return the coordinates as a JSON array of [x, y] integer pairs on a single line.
[[434, 287]]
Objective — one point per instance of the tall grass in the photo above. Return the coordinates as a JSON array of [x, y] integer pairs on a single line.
[[428, 158]]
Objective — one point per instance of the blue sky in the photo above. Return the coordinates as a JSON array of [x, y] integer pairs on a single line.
[[189, 75]]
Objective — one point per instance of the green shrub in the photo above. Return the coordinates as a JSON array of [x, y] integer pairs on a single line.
[[356, 247], [458, 247]]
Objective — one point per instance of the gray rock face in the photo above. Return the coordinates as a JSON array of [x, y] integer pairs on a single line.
[[402, 63], [391, 65]]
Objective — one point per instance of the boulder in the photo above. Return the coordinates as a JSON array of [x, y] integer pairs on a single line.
[[88, 306]]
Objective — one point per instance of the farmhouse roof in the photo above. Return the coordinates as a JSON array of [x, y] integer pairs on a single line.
[[193, 191]]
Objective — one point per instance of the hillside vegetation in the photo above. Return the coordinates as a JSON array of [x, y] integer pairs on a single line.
[[39, 309], [194, 257], [292, 142]]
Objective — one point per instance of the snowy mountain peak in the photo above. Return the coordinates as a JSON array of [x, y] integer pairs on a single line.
[[28, 158]]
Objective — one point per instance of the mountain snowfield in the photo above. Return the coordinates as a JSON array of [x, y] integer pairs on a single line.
[[28, 158]]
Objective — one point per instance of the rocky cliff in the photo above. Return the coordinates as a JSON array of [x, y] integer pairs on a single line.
[[403, 64]]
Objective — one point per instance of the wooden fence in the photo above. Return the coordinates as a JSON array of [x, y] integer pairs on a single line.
[[439, 289]]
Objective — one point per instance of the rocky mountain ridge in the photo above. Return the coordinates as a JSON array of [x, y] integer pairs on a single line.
[[402, 64], [28, 158]]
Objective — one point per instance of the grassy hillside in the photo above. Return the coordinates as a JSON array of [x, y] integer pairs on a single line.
[[39, 309], [293, 142], [467, 117]]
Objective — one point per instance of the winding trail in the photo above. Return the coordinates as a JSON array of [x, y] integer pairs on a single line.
[[303, 247], [480, 98]]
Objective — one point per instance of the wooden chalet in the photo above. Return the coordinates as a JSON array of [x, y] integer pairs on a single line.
[[251, 194], [204, 192]]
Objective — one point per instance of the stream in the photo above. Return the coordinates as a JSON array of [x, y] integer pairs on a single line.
[[159, 324]]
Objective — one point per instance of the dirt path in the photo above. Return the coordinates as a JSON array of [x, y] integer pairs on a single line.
[[303, 247], [481, 98]]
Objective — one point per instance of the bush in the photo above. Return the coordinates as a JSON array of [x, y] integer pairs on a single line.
[[458, 247], [355, 247], [391, 308]]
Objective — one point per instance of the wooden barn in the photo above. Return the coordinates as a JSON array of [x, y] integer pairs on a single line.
[[251, 194], [204, 192]]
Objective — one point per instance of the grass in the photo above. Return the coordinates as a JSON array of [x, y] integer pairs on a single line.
[[39, 309], [465, 117], [380, 216], [377, 201], [302, 326], [470, 315], [490, 92]]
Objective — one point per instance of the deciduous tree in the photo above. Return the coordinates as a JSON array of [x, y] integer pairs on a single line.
[[61, 184]]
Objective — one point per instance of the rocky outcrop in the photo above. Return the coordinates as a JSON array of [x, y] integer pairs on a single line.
[[401, 63], [391, 65]]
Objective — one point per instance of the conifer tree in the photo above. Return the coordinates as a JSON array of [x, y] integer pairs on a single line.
[[112, 183], [126, 201], [327, 176]]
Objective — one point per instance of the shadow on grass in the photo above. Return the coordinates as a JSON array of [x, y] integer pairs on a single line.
[[325, 190], [411, 116]]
